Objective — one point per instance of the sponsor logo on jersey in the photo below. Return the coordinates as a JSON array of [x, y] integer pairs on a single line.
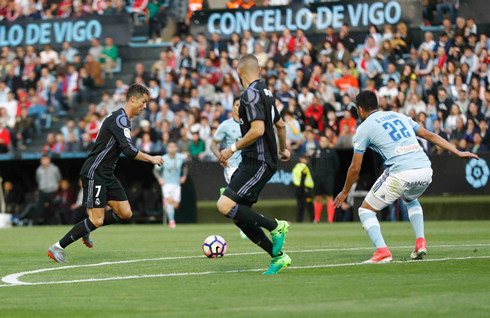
[[97, 201], [407, 149], [416, 184], [127, 132]]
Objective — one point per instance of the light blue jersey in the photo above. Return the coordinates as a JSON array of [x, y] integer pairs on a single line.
[[393, 136], [171, 170], [229, 132]]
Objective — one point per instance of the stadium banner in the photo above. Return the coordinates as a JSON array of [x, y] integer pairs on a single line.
[[78, 31], [312, 19]]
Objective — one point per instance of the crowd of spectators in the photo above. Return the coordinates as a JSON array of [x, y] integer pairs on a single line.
[[37, 88]]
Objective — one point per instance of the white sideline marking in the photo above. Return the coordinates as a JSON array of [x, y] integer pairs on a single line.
[[233, 271], [13, 279]]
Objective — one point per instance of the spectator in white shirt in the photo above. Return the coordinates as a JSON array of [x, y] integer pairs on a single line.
[[10, 105], [249, 41], [48, 55], [452, 119], [305, 98], [429, 43], [226, 98], [416, 104], [390, 91]]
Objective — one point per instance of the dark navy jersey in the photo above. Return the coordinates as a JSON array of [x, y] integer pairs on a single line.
[[114, 137], [258, 103]]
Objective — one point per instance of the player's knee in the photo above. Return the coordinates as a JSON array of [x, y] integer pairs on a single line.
[[127, 214], [225, 205], [97, 222]]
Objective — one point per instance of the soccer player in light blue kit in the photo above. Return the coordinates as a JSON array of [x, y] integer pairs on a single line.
[[228, 133], [170, 176], [408, 170]]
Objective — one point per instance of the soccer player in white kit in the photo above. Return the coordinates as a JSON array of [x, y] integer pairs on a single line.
[[408, 170], [170, 176]]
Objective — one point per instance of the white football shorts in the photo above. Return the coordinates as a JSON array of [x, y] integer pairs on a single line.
[[229, 171], [391, 186], [171, 191]]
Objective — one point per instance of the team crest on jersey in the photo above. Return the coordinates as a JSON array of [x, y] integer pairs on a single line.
[[127, 133], [241, 121], [97, 201]]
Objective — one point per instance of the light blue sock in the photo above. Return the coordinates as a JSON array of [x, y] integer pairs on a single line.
[[416, 217], [371, 225], [170, 212]]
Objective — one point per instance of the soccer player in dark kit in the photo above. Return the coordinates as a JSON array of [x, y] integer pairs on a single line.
[[100, 186], [258, 116]]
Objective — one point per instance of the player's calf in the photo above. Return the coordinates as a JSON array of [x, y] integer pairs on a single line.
[[372, 227]]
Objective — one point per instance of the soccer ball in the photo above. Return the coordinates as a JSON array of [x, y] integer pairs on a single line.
[[214, 246]]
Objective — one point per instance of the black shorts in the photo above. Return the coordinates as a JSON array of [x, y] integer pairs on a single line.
[[324, 186], [96, 192], [248, 181]]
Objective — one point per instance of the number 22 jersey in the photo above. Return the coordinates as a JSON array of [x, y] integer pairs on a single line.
[[393, 136]]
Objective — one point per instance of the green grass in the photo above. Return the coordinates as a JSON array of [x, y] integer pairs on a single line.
[[452, 288]]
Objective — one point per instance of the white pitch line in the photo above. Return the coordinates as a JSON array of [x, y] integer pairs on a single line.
[[13, 279], [234, 271]]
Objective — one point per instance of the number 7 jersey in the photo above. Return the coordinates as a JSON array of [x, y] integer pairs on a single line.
[[393, 136]]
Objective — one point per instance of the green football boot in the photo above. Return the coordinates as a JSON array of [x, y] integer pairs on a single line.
[[278, 263], [279, 236]]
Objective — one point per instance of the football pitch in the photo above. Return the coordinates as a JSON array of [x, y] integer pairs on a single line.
[[154, 271]]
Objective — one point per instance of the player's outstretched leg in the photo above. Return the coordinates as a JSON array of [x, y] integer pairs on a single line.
[[256, 235], [242, 234], [416, 216], [278, 229], [82, 229], [371, 225]]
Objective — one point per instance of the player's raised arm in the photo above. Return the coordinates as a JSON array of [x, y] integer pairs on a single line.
[[439, 141]]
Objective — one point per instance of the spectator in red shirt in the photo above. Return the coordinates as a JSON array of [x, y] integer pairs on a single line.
[[288, 39], [314, 115], [59, 145], [50, 142], [94, 126], [349, 121], [4, 139]]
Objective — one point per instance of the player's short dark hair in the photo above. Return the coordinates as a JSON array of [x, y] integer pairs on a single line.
[[250, 61], [235, 99], [137, 91], [367, 100], [172, 141]]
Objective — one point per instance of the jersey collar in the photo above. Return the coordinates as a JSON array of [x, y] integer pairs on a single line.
[[372, 113]]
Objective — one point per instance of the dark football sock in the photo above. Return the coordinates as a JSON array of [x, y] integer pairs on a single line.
[[81, 229], [244, 214], [110, 217], [256, 235]]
